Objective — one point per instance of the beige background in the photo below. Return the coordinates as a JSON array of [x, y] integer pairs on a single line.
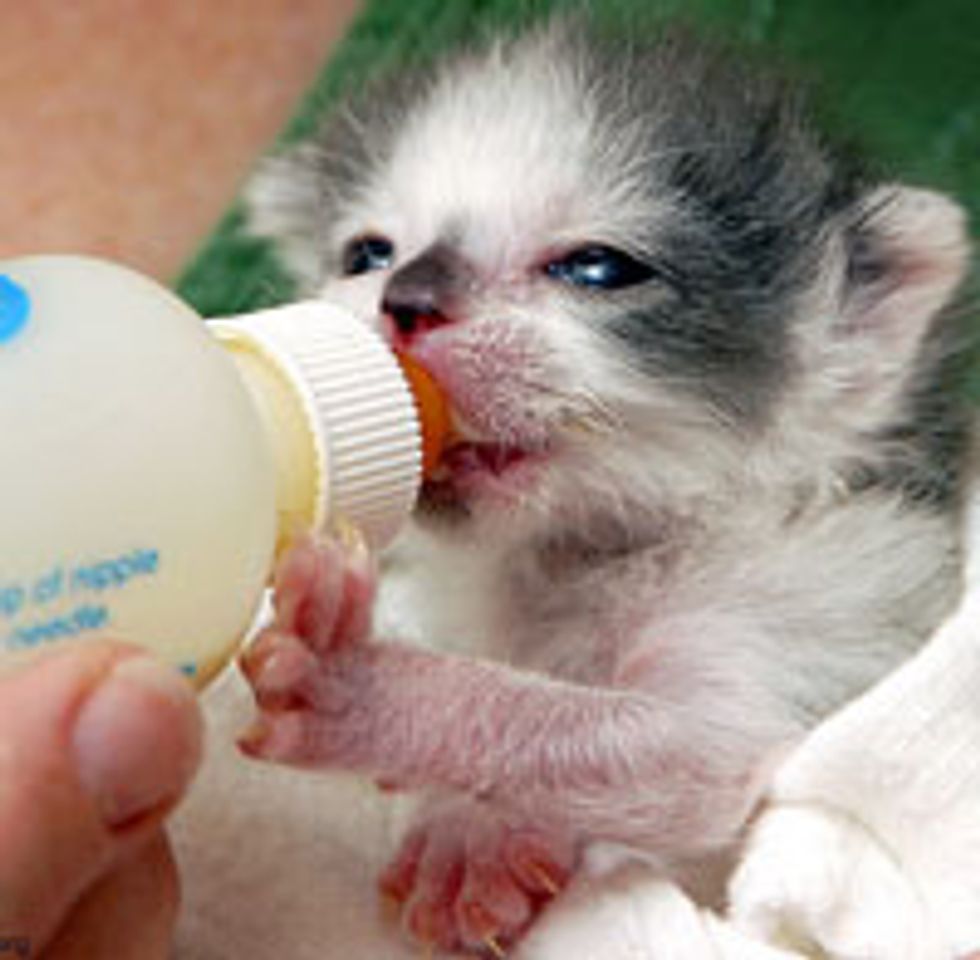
[[127, 125]]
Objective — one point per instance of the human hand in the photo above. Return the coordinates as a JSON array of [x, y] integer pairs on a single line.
[[97, 743]]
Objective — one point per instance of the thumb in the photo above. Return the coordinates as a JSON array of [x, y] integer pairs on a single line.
[[97, 741]]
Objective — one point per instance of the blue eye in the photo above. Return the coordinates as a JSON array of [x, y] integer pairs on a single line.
[[599, 267], [367, 253]]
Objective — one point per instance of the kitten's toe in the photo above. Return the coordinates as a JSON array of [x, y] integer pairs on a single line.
[[324, 593], [281, 671], [470, 881]]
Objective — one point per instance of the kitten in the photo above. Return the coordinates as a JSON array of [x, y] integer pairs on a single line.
[[706, 482]]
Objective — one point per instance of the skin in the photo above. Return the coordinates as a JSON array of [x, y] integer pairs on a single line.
[[118, 154], [86, 860]]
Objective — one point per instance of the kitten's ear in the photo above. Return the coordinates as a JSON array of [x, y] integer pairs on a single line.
[[285, 203], [906, 252]]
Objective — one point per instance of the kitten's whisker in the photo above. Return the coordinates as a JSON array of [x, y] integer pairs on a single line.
[[579, 409]]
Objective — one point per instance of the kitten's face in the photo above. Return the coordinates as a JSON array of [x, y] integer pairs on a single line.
[[494, 245], [600, 260]]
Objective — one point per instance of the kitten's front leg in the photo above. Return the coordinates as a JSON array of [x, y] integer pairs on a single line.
[[467, 875], [621, 765]]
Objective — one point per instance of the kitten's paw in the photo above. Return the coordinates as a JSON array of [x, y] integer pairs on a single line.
[[819, 882], [324, 593], [469, 880], [309, 667]]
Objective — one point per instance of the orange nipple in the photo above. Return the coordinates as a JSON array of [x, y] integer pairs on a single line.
[[433, 411]]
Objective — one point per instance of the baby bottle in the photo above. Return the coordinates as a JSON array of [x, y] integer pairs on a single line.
[[153, 464]]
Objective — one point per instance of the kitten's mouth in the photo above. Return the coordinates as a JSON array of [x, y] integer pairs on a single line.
[[467, 457], [473, 464], [471, 469]]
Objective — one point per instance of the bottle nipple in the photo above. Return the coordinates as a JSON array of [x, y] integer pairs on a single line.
[[433, 411]]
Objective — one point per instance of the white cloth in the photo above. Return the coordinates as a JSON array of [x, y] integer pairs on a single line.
[[872, 845]]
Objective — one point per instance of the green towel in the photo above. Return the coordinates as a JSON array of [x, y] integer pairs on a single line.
[[901, 76]]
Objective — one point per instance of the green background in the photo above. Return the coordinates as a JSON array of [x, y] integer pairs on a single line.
[[901, 77]]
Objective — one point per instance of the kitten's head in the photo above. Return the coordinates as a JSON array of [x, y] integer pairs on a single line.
[[640, 275]]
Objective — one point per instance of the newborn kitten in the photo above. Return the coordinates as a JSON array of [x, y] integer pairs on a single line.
[[706, 480]]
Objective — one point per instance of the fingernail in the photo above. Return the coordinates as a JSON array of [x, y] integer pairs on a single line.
[[137, 740]]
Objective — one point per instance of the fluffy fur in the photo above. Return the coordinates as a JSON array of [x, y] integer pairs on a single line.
[[704, 492]]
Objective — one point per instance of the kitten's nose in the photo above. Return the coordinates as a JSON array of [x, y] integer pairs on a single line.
[[423, 293]]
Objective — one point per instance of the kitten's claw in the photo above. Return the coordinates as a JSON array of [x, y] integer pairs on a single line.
[[545, 880], [495, 948]]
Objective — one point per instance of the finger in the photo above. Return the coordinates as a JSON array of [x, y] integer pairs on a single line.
[[129, 915], [97, 741]]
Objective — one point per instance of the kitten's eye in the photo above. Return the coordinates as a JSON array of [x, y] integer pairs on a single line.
[[599, 267], [367, 253]]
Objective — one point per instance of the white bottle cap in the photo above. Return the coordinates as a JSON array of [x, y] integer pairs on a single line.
[[360, 412]]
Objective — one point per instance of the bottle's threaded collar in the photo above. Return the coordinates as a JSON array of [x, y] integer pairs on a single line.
[[360, 412]]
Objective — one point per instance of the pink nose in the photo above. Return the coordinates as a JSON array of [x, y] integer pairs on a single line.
[[407, 323], [424, 293]]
